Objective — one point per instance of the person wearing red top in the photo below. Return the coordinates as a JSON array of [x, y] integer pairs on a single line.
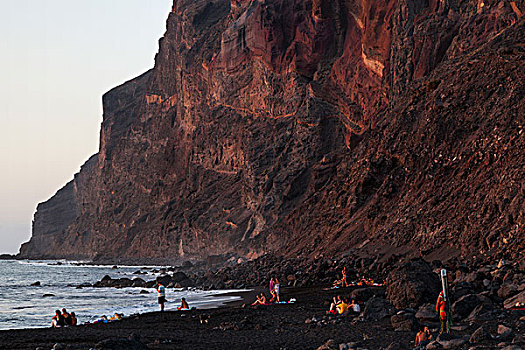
[[441, 309]]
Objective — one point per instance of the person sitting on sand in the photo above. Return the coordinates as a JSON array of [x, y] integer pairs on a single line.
[[73, 319], [58, 320], [423, 337], [261, 300], [342, 307], [333, 307], [67, 317], [183, 305], [356, 308]]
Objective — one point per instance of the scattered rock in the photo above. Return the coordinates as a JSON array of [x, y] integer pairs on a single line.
[[396, 346], [452, 343], [434, 345], [404, 322], [504, 331], [480, 335], [349, 346], [329, 345], [507, 290], [466, 304], [138, 282], [120, 344], [519, 298], [427, 313]]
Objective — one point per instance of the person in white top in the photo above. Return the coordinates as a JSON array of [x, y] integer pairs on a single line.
[[161, 291], [355, 307]]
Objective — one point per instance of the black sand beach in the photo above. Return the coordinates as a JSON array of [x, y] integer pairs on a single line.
[[238, 327]]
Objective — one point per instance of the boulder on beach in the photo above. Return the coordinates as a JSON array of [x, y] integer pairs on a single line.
[[138, 282], [376, 309], [404, 321], [362, 294], [480, 335], [412, 284], [466, 304], [329, 345], [511, 302], [427, 313]]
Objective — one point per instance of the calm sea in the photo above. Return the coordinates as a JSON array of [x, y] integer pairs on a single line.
[[23, 306]]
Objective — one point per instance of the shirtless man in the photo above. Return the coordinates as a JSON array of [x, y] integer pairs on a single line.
[[423, 337]]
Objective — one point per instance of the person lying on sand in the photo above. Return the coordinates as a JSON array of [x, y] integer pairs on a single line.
[[102, 319], [183, 305], [58, 320], [116, 317], [261, 300]]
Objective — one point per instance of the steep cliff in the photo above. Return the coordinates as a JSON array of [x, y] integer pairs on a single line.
[[308, 127]]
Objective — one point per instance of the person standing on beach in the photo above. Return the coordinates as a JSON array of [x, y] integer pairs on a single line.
[[161, 291], [276, 289]]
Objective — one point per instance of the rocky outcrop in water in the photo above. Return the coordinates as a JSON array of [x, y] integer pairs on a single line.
[[304, 128]]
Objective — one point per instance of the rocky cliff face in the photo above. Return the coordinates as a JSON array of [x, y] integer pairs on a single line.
[[305, 128]]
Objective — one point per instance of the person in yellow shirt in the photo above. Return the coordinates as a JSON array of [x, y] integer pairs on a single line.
[[342, 307]]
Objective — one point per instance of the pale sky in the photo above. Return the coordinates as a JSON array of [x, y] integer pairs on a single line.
[[57, 58]]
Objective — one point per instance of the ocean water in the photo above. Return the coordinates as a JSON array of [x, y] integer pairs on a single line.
[[23, 306]]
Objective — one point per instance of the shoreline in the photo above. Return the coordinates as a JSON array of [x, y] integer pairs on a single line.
[[244, 298], [301, 325]]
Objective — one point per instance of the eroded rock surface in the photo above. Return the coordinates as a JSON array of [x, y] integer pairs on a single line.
[[300, 127]]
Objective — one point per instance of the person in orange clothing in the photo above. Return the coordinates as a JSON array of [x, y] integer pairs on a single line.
[[441, 309]]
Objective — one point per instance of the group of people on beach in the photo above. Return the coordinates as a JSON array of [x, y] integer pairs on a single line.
[[363, 281], [275, 293], [342, 306], [161, 294], [63, 319], [105, 319]]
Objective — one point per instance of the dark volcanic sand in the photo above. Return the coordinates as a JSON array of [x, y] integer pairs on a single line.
[[231, 327]]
